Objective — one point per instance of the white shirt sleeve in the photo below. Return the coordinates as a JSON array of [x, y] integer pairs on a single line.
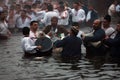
[[81, 15], [28, 45]]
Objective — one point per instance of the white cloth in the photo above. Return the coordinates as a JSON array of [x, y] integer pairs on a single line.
[[28, 45], [64, 21], [78, 16], [32, 16], [111, 9], [109, 31], [118, 8], [88, 17], [80, 33], [40, 15], [33, 35], [3, 28], [20, 24], [47, 18]]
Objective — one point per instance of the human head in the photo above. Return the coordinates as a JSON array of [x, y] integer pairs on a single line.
[[76, 24], [54, 21], [25, 31], [34, 25], [74, 31], [76, 5], [23, 13], [106, 21], [97, 24], [118, 26], [50, 7], [2, 15]]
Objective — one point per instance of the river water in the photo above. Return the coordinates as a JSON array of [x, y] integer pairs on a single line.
[[14, 67]]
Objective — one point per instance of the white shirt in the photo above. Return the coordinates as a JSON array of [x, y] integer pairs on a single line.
[[20, 24], [88, 17], [78, 16], [118, 8], [40, 15], [109, 31], [110, 9], [28, 45], [80, 33], [64, 21], [33, 36], [3, 28], [47, 18]]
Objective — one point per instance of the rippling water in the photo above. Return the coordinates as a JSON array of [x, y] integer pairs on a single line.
[[13, 67]]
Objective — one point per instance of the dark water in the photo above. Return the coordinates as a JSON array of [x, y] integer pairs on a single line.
[[13, 67]]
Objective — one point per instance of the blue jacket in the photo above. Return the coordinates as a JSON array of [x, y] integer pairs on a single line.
[[71, 46]]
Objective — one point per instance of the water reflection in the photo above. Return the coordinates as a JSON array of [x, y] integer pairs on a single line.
[[14, 67]]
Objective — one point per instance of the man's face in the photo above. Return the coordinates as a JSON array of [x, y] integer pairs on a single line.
[[75, 6], [35, 26], [118, 27], [105, 23], [54, 22], [3, 16], [96, 24]]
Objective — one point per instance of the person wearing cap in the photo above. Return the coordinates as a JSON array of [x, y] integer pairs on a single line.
[[98, 35], [71, 45], [109, 31]]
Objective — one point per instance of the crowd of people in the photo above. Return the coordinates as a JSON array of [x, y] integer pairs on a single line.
[[61, 24]]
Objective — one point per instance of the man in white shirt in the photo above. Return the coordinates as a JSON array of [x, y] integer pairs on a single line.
[[106, 26], [47, 18], [63, 16], [78, 14], [4, 32], [23, 20], [28, 45], [33, 30], [111, 9]]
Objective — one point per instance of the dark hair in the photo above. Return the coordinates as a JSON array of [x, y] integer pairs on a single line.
[[50, 7], [25, 31], [1, 12], [27, 7], [118, 22], [76, 3], [31, 23], [75, 24], [108, 18], [54, 17], [74, 30]]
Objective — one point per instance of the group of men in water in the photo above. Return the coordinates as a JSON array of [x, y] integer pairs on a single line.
[[101, 40]]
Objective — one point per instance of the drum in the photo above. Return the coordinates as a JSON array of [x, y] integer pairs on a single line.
[[45, 42]]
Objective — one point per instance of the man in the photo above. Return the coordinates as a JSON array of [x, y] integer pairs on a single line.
[[78, 14], [23, 20], [47, 18], [71, 45], [4, 32], [63, 16], [28, 45], [106, 26], [54, 28], [91, 16], [111, 9], [97, 35], [33, 30], [114, 43]]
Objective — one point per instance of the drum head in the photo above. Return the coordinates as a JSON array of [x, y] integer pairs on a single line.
[[45, 42]]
